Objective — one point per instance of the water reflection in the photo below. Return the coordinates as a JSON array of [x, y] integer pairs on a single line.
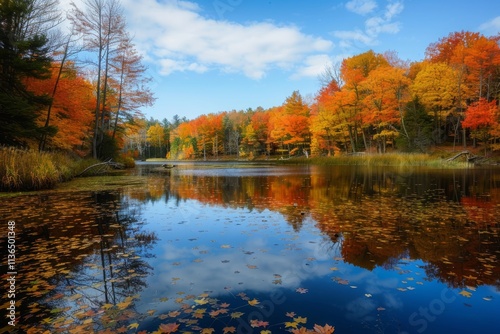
[[445, 218], [347, 242], [75, 253]]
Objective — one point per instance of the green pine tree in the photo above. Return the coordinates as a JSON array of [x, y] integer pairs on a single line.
[[24, 54]]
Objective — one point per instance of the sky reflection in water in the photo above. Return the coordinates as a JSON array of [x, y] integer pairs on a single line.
[[364, 251]]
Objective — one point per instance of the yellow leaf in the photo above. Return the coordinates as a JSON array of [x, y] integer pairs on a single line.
[[465, 293], [201, 301], [300, 320], [266, 331], [107, 306], [134, 325], [291, 324], [236, 315], [123, 305], [253, 302]]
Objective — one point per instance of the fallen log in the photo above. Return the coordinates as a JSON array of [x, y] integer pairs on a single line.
[[459, 155], [110, 163]]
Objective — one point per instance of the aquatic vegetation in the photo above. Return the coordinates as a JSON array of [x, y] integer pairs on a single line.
[[22, 170]]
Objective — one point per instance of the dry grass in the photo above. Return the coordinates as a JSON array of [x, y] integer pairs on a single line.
[[388, 159], [33, 170]]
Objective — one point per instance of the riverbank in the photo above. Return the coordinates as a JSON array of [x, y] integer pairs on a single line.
[[439, 159], [23, 170]]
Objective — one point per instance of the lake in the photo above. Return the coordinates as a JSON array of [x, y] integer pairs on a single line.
[[230, 248]]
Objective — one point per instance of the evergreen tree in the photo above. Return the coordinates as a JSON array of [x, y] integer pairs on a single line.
[[419, 127], [24, 54]]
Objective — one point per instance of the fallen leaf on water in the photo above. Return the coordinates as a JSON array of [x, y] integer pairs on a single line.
[[134, 325], [258, 323], [201, 301], [326, 329], [253, 302], [291, 324], [300, 320], [465, 293], [301, 290], [231, 329], [236, 315]]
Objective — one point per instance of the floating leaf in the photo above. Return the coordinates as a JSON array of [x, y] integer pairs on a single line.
[[201, 301], [301, 290], [134, 325], [258, 323], [168, 328], [465, 293], [227, 330], [236, 315], [326, 329], [291, 324], [253, 302], [300, 320]]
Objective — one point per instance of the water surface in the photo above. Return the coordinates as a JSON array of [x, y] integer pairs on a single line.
[[244, 249]]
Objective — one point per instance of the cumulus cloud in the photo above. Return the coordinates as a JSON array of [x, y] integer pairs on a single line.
[[178, 37], [361, 7], [383, 23], [491, 27], [313, 66]]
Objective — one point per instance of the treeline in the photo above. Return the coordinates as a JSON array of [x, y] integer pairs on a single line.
[[369, 103], [68, 90]]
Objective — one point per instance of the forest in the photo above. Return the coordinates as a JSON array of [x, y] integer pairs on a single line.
[[85, 91]]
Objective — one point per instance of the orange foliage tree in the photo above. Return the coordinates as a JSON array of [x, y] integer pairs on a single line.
[[482, 118], [71, 109]]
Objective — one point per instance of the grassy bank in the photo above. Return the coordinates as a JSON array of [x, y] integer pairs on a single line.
[[388, 159], [33, 170]]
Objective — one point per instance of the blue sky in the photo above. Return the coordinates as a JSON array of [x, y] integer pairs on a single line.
[[207, 56]]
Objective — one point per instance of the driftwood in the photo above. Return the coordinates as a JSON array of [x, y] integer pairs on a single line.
[[469, 156], [168, 166], [110, 163]]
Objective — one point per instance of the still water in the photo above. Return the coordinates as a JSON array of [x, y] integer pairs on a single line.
[[258, 249]]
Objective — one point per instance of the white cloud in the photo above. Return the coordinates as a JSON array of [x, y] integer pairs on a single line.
[[383, 23], [313, 66], [491, 27], [361, 7], [180, 38]]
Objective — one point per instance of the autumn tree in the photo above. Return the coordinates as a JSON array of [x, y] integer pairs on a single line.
[[101, 25], [61, 55], [70, 108], [156, 138], [481, 117], [290, 124], [385, 89], [435, 85], [130, 84], [475, 59]]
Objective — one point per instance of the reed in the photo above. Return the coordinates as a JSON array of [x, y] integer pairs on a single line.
[[388, 159], [32, 170]]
